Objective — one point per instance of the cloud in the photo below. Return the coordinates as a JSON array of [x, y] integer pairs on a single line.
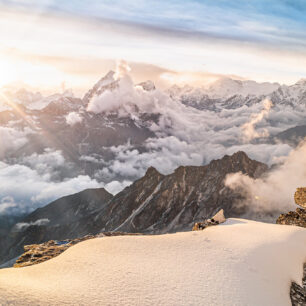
[[22, 226], [249, 132], [12, 139], [23, 189], [42, 177], [188, 136], [274, 192], [179, 135], [73, 118], [7, 203], [115, 186], [122, 69]]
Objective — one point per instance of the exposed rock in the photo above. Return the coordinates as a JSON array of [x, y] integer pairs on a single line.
[[297, 218], [298, 293], [64, 216], [300, 197], [38, 253], [148, 85], [156, 203], [215, 220]]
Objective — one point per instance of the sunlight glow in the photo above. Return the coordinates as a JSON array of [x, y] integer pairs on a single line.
[[29, 73]]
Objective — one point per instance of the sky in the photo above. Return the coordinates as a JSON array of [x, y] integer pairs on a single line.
[[53, 44]]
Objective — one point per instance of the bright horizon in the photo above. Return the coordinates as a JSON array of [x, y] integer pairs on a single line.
[[52, 45]]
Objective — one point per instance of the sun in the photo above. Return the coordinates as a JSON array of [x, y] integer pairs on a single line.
[[29, 72]]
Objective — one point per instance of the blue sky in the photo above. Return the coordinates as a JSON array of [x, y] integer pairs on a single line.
[[279, 18], [234, 36]]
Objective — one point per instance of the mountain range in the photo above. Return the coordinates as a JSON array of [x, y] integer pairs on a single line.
[[62, 144], [155, 203]]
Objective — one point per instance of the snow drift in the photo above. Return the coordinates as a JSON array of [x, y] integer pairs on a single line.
[[239, 263]]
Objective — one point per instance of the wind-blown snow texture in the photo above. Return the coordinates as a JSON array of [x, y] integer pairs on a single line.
[[239, 263]]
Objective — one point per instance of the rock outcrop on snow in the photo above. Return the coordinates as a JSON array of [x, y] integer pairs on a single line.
[[215, 220], [297, 217], [297, 292], [300, 197], [38, 253]]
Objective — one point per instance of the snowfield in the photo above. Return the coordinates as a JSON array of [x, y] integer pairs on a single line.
[[240, 262]]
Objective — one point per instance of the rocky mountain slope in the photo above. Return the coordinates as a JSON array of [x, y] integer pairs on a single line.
[[292, 136], [156, 203], [57, 220]]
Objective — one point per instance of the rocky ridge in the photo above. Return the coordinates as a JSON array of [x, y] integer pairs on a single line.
[[154, 204]]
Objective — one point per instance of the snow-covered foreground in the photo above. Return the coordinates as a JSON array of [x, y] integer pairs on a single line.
[[238, 263]]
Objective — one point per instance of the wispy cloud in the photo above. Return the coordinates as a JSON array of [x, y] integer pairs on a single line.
[[256, 40]]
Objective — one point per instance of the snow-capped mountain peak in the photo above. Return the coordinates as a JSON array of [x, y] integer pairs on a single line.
[[227, 87], [108, 82]]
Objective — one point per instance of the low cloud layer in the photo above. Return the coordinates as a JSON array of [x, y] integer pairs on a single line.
[[24, 225], [249, 128], [274, 192], [188, 136], [37, 182], [179, 135], [73, 118]]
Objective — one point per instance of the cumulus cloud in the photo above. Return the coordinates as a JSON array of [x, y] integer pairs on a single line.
[[12, 138], [36, 181], [7, 204], [73, 118], [115, 186], [22, 226], [249, 132], [122, 69], [23, 189], [188, 136], [274, 192]]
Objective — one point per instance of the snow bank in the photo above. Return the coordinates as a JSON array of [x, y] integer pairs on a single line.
[[238, 263]]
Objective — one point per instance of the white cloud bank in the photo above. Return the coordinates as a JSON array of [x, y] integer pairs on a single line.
[[35, 181], [274, 192], [24, 225], [249, 132], [187, 136], [73, 118]]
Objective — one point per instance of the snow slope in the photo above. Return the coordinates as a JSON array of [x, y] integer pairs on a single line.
[[238, 263]]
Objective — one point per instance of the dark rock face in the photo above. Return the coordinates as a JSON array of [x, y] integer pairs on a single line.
[[64, 216], [297, 218], [215, 220], [71, 208], [165, 203], [300, 197], [292, 136], [156, 203], [298, 293]]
